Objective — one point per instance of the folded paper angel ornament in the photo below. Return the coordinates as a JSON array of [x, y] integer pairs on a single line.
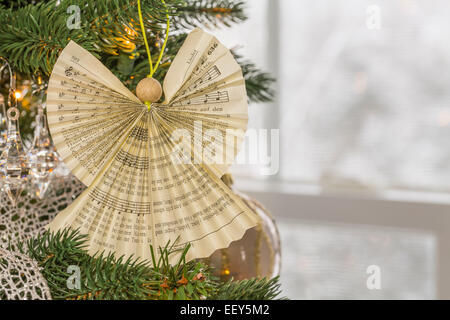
[[152, 169]]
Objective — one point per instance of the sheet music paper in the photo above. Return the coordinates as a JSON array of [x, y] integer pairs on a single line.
[[137, 193]]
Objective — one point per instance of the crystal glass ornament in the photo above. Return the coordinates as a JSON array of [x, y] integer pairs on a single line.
[[3, 119], [43, 159], [18, 225], [53, 166], [3, 124], [61, 171], [256, 255], [14, 166]]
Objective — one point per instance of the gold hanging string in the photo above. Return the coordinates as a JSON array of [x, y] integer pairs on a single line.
[[149, 55]]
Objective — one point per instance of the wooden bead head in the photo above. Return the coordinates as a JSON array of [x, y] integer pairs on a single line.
[[149, 90]]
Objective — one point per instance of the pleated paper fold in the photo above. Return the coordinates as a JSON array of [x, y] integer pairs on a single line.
[[153, 175]]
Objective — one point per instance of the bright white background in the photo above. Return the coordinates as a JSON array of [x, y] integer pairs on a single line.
[[364, 117]]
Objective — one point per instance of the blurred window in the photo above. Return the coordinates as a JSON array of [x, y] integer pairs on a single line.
[[363, 90]]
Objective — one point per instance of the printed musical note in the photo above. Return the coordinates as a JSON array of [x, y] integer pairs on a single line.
[[68, 71], [137, 194], [210, 75], [210, 98]]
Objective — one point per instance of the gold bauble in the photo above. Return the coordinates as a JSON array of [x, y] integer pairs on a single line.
[[149, 90], [256, 255]]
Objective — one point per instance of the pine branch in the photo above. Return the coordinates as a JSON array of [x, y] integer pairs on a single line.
[[258, 83], [33, 33], [32, 36], [108, 278], [15, 3], [252, 289], [209, 13]]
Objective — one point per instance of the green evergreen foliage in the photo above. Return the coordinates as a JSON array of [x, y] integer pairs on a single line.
[[104, 276], [32, 35], [252, 289], [210, 13]]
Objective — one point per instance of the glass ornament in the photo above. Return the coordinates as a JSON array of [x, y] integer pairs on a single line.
[[14, 167], [3, 124], [256, 255], [43, 159]]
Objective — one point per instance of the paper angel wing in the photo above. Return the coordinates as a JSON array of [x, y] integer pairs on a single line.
[[153, 175], [206, 83]]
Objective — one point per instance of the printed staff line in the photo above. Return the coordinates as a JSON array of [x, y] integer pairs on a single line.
[[206, 99], [104, 111], [98, 124], [62, 120], [88, 99], [91, 95], [95, 76], [101, 196], [190, 88], [88, 86]]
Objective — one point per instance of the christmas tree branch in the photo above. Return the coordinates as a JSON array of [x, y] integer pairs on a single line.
[[32, 36], [252, 289], [110, 278], [210, 13], [106, 277], [258, 83]]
